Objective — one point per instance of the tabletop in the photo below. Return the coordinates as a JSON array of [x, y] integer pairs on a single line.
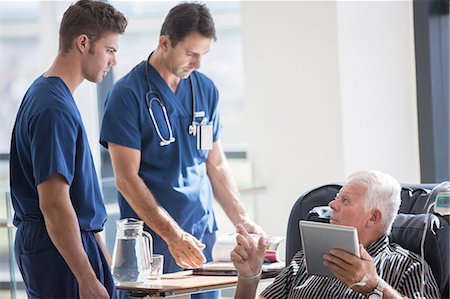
[[180, 283]]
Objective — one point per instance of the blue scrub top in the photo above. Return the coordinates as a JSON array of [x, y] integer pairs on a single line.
[[176, 173], [48, 138]]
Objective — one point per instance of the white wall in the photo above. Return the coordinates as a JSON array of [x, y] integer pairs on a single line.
[[329, 89], [378, 90]]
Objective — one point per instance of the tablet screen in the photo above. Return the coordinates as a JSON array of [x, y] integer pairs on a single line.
[[319, 238]]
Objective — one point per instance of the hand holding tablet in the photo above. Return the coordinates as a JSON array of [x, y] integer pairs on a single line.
[[319, 238]]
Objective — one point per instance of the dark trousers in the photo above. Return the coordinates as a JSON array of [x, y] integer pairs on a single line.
[[45, 272]]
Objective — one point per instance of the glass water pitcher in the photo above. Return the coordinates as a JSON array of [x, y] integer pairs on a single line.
[[132, 255]]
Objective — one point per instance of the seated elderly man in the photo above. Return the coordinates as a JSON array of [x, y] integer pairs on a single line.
[[369, 201]]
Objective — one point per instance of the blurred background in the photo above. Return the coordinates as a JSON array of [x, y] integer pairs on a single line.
[[310, 92]]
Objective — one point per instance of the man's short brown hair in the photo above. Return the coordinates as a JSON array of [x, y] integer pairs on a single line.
[[90, 17], [187, 18]]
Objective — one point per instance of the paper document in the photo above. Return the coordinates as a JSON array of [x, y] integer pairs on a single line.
[[222, 265]]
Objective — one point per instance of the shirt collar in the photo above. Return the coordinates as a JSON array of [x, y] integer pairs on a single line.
[[377, 246]]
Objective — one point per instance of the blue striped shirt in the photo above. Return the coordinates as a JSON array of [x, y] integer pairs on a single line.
[[397, 266]]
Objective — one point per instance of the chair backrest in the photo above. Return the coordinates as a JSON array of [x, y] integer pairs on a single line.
[[407, 229]]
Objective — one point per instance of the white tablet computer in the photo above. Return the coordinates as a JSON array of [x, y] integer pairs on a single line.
[[319, 238]]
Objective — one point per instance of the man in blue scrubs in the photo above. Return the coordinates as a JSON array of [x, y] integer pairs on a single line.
[[166, 174], [59, 210]]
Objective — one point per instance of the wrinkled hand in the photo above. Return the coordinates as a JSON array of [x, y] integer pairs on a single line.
[[359, 274], [252, 228], [247, 256], [92, 289], [187, 250]]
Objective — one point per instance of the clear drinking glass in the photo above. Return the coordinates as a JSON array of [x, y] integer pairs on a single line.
[[157, 266]]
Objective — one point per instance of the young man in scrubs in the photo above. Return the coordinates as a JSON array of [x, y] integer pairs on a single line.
[[59, 210], [167, 176]]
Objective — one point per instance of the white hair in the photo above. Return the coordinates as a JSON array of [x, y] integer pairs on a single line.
[[382, 192]]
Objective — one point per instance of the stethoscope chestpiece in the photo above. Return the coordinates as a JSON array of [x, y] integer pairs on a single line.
[[167, 142]]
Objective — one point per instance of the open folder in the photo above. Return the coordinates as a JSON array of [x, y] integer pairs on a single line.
[[222, 265]]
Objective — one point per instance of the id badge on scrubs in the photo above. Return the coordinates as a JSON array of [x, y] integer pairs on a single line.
[[204, 137]]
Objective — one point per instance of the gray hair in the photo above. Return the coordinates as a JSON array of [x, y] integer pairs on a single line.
[[382, 192]]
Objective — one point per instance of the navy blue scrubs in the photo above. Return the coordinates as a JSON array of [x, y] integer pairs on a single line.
[[48, 138], [176, 173]]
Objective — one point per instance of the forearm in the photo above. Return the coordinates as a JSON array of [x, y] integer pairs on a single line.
[[99, 239], [226, 192], [390, 293], [184, 248], [63, 229], [246, 288], [142, 201]]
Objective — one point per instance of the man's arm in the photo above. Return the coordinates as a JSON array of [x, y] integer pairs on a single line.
[[225, 189], [64, 231], [359, 274], [99, 239], [248, 258], [185, 248]]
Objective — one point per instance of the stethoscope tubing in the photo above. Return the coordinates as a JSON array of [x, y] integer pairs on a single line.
[[192, 127], [163, 107]]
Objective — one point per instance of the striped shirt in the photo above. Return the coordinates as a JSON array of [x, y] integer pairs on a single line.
[[398, 267]]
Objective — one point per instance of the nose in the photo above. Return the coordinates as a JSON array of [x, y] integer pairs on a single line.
[[333, 204], [196, 62], [113, 60]]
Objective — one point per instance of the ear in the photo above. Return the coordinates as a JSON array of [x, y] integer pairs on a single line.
[[375, 218], [82, 43], [164, 43]]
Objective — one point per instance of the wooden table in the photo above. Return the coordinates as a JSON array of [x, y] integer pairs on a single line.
[[181, 283]]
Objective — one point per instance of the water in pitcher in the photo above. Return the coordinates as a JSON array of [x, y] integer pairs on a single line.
[[132, 253], [129, 267]]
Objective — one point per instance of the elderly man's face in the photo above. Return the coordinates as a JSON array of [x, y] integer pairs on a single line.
[[348, 207]]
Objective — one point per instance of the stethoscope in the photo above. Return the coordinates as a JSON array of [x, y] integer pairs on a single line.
[[151, 96]]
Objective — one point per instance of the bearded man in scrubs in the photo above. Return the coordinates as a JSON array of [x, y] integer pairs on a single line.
[[59, 210], [166, 175]]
